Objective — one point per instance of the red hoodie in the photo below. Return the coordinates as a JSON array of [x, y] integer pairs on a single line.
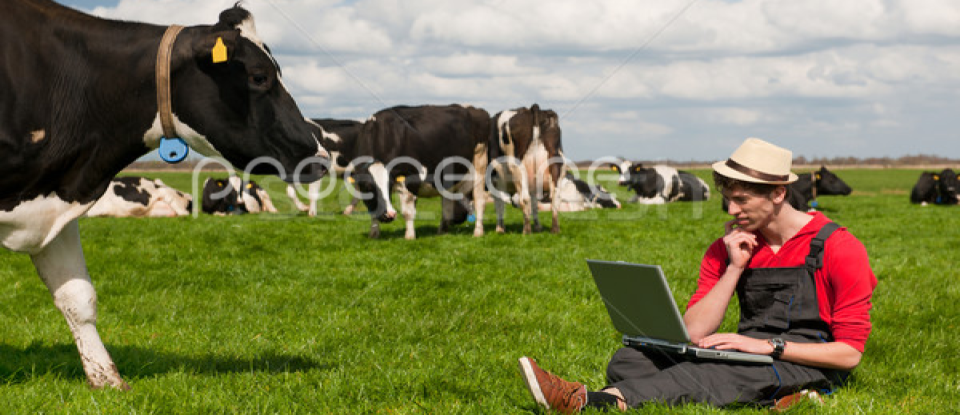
[[845, 283]]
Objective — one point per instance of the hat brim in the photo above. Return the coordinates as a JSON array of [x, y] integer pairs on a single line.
[[721, 168]]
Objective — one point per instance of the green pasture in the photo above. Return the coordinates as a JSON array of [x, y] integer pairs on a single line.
[[289, 314]]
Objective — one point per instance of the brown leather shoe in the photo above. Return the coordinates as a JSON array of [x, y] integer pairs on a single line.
[[550, 391], [787, 402]]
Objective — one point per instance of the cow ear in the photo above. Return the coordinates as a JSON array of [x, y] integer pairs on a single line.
[[217, 47]]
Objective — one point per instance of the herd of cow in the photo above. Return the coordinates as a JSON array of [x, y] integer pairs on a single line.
[[82, 97]]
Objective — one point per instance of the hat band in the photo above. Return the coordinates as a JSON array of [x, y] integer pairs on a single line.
[[757, 174]]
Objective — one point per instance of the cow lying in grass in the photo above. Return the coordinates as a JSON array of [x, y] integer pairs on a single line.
[[661, 184], [936, 189], [140, 197], [232, 196]]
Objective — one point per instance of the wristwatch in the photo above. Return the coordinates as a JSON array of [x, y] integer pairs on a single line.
[[778, 346]]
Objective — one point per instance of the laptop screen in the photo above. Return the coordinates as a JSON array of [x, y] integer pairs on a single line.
[[639, 300]]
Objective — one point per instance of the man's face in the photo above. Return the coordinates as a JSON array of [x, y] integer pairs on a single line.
[[752, 211]]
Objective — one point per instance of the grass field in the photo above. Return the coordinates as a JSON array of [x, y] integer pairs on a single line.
[[289, 314]]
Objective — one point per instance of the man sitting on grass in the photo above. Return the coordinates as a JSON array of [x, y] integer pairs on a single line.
[[804, 285]]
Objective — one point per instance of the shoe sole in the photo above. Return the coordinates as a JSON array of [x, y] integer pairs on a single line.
[[530, 378]]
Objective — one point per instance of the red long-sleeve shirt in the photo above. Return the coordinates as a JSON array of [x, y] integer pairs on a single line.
[[845, 283]]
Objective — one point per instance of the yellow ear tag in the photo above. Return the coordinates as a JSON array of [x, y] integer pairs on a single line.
[[401, 179], [249, 185], [935, 177], [219, 51], [818, 177], [351, 180]]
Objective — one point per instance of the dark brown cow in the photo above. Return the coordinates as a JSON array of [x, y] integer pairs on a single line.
[[526, 155]]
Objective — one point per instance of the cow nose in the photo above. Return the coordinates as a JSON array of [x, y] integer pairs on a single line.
[[388, 216]]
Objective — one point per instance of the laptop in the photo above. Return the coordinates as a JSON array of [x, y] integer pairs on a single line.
[[642, 308]]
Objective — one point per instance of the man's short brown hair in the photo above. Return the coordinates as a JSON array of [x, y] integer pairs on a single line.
[[723, 182]]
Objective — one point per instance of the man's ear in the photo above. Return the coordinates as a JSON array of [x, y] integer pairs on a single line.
[[216, 47], [779, 194]]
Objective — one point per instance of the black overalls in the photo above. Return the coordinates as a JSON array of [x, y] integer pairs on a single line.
[[774, 302]]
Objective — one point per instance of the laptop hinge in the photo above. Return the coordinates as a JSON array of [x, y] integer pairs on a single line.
[[634, 341]]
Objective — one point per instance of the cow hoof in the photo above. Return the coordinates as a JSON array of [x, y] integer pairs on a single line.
[[478, 233], [555, 230], [109, 380]]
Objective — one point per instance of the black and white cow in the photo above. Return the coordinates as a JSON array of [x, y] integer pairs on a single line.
[[692, 188], [808, 186], [233, 196], [339, 138], [576, 196], [661, 184], [421, 151], [80, 101], [132, 196], [936, 188], [526, 154]]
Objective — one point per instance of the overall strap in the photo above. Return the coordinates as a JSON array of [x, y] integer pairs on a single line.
[[815, 258]]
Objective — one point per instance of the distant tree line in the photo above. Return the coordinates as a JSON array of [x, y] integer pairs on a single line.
[[908, 160], [903, 161]]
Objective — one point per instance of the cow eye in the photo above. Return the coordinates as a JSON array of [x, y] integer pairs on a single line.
[[259, 80]]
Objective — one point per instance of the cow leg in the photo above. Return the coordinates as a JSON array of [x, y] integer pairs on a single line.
[[408, 207], [555, 207], [374, 228], [534, 205], [520, 183], [480, 164], [161, 209], [350, 207], [446, 214], [313, 193], [499, 206], [292, 195], [62, 268]]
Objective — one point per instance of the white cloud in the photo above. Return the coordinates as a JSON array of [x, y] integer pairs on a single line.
[[812, 72]]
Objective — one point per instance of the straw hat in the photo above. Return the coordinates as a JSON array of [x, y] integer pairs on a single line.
[[758, 161]]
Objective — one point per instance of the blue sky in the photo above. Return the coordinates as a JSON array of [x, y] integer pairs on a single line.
[[643, 79]]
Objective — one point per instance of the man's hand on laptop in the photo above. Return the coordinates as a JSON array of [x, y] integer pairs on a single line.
[[733, 341]]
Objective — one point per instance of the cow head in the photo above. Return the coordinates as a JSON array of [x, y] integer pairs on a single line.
[[829, 184], [949, 187], [375, 183], [219, 196], [226, 89], [640, 179]]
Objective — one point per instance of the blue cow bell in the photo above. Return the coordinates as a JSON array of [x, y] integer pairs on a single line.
[[173, 150]]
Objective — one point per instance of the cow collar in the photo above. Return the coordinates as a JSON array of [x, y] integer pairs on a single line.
[[172, 148]]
